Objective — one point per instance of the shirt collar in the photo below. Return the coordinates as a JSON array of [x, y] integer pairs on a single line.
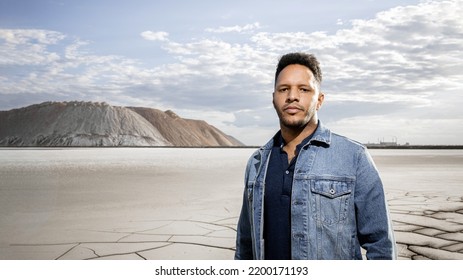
[[321, 137], [278, 140]]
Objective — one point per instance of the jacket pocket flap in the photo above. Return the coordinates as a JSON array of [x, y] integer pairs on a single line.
[[331, 188]]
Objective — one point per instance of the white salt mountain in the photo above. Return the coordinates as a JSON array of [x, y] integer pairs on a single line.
[[56, 124]]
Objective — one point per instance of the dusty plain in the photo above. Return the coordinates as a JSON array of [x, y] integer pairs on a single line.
[[179, 203]]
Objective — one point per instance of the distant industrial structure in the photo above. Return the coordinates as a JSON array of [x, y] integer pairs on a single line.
[[388, 144], [382, 144]]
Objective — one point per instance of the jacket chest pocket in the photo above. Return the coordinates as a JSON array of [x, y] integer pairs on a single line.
[[330, 199]]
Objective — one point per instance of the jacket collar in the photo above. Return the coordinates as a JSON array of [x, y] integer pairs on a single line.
[[321, 137]]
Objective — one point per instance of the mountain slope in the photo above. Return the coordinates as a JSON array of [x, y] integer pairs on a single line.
[[99, 124], [185, 132]]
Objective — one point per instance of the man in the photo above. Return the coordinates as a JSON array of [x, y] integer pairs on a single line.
[[310, 193]]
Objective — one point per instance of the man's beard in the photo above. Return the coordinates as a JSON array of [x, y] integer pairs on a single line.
[[288, 122], [294, 124]]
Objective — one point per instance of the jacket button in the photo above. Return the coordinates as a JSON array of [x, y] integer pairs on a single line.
[[298, 235], [332, 191]]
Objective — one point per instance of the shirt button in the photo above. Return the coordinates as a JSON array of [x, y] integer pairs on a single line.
[[287, 172]]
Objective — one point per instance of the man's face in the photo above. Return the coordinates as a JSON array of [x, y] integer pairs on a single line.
[[297, 96]]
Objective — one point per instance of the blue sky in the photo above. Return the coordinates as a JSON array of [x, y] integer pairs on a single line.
[[392, 69]]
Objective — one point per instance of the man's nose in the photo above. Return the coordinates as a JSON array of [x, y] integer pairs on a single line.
[[293, 95]]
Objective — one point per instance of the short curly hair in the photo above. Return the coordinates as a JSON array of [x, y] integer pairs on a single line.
[[308, 60]]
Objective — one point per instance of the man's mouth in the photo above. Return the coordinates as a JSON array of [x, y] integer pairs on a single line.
[[292, 109]]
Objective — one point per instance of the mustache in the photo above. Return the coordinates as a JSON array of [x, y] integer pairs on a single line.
[[292, 105]]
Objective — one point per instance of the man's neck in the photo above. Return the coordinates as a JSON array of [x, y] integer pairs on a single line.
[[294, 136]]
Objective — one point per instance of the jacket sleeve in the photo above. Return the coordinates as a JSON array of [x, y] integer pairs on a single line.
[[243, 231], [374, 226], [243, 235]]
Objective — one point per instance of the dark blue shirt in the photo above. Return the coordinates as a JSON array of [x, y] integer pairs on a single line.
[[277, 201]]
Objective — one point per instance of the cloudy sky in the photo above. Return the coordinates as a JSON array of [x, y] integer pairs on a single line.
[[391, 69]]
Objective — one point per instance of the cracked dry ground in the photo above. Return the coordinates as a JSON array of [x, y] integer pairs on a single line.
[[159, 239], [427, 226]]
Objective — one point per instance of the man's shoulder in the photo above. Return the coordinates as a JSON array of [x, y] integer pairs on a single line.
[[256, 155], [262, 151], [338, 139]]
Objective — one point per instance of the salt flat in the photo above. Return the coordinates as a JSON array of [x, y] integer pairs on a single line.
[[425, 195], [173, 203]]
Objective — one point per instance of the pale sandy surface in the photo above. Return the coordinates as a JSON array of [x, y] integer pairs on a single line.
[[425, 195], [145, 203]]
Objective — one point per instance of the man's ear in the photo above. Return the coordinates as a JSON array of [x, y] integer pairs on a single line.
[[321, 98]]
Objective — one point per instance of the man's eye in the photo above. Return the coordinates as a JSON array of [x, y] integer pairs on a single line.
[[283, 90]]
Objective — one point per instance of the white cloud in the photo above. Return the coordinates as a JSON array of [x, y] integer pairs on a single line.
[[406, 51], [26, 36], [25, 46], [155, 36], [237, 28], [385, 72]]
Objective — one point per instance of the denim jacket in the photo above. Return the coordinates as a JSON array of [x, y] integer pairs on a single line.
[[337, 203]]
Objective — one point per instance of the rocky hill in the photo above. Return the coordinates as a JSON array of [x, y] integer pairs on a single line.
[[54, 124]]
